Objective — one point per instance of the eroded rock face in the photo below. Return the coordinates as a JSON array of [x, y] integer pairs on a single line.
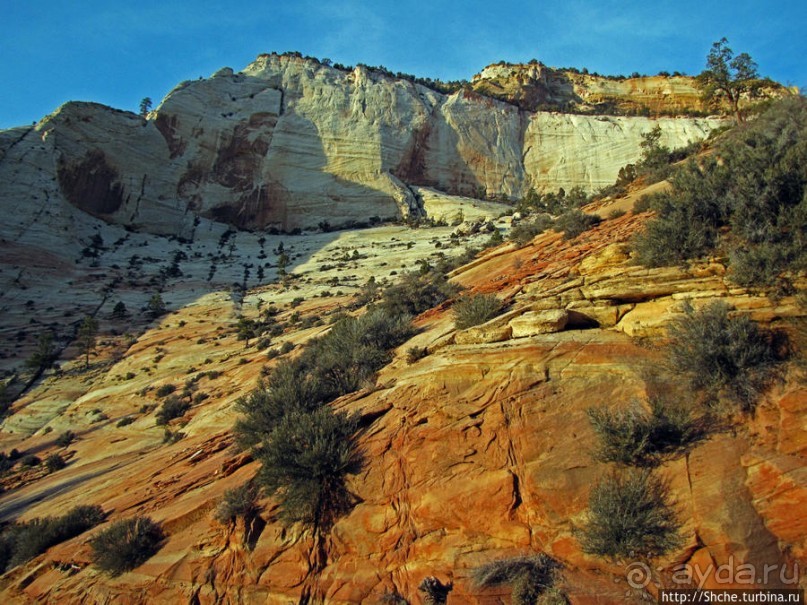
[[291, 143]]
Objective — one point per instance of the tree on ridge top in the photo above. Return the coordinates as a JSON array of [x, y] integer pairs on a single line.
[[729, 76]]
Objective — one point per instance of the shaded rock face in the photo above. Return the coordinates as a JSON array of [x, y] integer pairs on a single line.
[[92, 184], [290, 143]]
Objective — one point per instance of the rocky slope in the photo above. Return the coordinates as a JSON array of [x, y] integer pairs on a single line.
[[478, 451], [291, 143]]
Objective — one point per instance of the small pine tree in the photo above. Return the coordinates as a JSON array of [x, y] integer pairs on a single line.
[[155, 306], [86, 339], [44, 354], [145, 106], [119, 311]]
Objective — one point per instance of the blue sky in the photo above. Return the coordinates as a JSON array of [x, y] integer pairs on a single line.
[[116, 53]]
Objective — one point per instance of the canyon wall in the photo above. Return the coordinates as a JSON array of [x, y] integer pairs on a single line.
[[293, 143]]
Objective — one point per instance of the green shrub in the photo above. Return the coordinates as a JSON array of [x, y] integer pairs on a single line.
[[630, 516], [170, 436], [172, 407], [476, 309], [305, 449], [339, 362], [125, 421], [638, 438], [6, 462], [754, 183], [526, 230], [722, 355], [30, 460], [23, 541], [574, 222], [165, 390], [126, 544], [414, 354], [54, 463], [529, 576], [417, 293], [238, 502], [688, 219], [305, 461], [65, 439]]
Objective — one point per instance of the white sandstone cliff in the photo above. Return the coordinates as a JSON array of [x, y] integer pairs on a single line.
[[291, 143]]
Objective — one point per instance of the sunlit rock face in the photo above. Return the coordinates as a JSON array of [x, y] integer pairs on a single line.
[[292, 143]]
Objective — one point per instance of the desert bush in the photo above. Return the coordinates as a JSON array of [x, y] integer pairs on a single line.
[[65, 439], [414, 354], [630, 515], [756, 184], [417, 293], [305, 461], [238, 502], [688, 218], [165, 390], [170, 436], [172, 407], [125, 421], [30, 460], [392, 598], [126, 544], [524, 232], [722, 355], [636, 437], [528, 576], [54, 463], [553, 203], [574, 222], [6, 462], [434, 591], [305, 449], [654, 164], [353, 350], [476, 309], [23, 541]]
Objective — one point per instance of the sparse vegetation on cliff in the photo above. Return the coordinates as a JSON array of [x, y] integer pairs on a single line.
[[630, 516], [722, 355], [126, 544], [305, 448], [476, 309], [637, 437], [529, 577], [239, 502], [20, 542], [417, 292], [304, 463], [747, 199]]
